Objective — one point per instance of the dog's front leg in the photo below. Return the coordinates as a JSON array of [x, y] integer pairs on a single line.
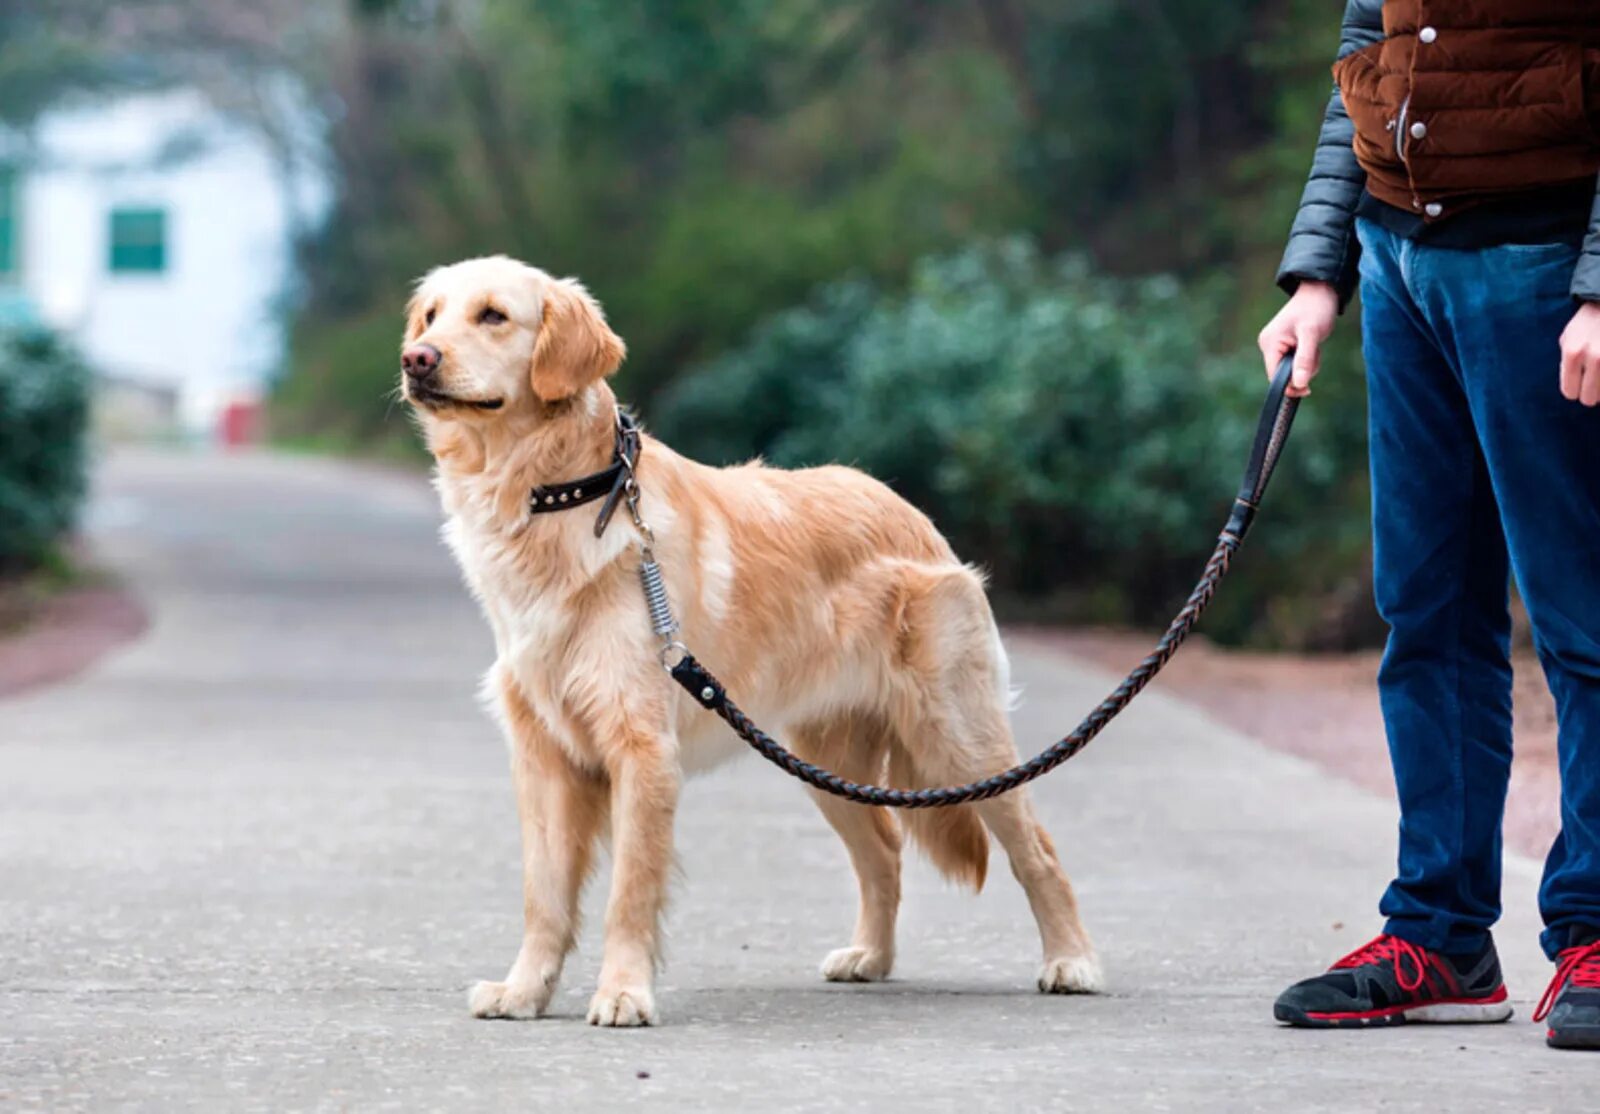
[[645, 779], [561, 809]]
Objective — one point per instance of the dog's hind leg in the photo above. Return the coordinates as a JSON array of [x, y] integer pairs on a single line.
[[561, 809], [952, 727], [855, 747], [1070, 964]]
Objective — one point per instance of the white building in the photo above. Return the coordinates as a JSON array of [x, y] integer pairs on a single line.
[[157, 233]]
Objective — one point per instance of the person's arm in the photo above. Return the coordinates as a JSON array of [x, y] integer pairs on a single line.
[[1580, 344], [1586, 278], [1318, 271], [1322, 243]]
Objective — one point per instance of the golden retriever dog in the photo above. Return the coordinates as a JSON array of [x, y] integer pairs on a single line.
[[833, 610]]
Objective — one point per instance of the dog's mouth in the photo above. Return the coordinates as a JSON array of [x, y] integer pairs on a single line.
[[438, 400]]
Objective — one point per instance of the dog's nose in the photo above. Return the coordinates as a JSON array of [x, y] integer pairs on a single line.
[[420, 360]]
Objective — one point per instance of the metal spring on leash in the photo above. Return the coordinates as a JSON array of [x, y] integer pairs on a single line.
[[662, 620]]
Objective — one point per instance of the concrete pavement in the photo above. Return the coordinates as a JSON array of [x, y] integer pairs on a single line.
[[255, 860]]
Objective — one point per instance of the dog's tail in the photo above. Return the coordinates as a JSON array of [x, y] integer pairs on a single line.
[[954, 839]]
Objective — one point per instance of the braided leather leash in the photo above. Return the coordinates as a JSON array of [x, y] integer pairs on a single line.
[[1277, 416]]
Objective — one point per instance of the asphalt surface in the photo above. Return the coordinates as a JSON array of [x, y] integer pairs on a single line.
[[255, 860]]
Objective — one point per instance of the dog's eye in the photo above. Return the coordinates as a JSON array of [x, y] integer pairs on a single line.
[[491, 316], [427, 318]]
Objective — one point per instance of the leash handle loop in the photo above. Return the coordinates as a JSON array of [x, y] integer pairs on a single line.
[[1272, 431]]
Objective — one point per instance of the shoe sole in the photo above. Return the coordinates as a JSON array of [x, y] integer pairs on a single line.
[[1574, 1037], [1460, 1011]]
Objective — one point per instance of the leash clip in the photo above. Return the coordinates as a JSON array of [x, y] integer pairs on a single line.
[[672, 653]]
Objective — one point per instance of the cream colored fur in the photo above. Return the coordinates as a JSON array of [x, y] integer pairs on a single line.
[[833, 610]]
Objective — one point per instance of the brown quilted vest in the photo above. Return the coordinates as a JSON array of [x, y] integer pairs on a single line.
[[1467, 99]]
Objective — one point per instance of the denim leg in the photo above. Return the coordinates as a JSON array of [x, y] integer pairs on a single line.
[[1507, 308], [1441, 579]]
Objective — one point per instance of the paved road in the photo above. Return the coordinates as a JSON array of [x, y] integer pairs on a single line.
[[254, 861]]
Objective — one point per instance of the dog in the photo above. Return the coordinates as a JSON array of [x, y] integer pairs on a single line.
[[834, 610]]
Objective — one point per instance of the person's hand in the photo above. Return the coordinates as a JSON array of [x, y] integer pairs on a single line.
[[1304, 323], [1580, 356]]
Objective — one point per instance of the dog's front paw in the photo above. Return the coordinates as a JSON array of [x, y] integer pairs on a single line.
[[857, 965], [508, 1000], [622, 1007], [1077, 974]]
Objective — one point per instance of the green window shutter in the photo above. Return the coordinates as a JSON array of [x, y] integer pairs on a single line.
[[138, 241], [8, 222]]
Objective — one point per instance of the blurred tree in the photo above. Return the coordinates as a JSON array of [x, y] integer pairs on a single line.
[[699, 162], [43, 55], [705, 164], [257, 60], [705, 161]]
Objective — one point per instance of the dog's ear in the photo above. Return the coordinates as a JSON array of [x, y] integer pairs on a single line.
[[575, 346]]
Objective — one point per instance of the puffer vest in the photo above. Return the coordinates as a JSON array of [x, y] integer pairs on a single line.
[[1465, 100]]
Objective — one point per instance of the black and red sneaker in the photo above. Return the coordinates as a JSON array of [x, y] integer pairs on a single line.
[[1393, 981], [1571, 1007]]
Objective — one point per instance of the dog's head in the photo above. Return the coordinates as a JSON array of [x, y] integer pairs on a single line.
[[494, 335]]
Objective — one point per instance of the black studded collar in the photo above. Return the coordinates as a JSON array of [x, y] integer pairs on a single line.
[[607, 484]]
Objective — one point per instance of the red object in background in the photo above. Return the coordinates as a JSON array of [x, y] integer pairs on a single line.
[[240, 424]]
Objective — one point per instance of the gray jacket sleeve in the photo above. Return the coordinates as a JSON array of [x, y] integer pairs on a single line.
[[1586, 279], [1322, 243]]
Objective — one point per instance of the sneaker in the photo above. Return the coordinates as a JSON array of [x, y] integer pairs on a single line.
[[1393, 981], [1571, 1006]]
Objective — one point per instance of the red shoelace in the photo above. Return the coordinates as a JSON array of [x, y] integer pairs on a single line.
[[1579, 966], [1397, 951]]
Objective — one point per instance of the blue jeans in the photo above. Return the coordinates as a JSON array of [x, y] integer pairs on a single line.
[[1480, 469]]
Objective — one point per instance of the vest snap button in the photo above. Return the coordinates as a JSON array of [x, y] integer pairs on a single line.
[[1428, 34], [1418, 130], [1433, 208]]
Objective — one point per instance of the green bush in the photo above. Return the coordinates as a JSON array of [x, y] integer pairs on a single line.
[[1063, 428], [44, 413]]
